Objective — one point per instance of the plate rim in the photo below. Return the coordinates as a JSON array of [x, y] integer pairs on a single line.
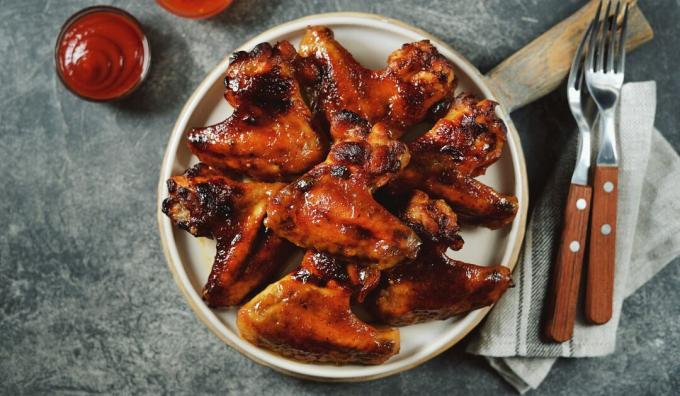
[[182, 280]]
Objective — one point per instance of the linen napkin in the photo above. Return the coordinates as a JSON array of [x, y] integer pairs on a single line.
[[512, 336]]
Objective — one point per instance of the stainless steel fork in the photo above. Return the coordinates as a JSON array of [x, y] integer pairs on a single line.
[[566, 275], [604, 78]]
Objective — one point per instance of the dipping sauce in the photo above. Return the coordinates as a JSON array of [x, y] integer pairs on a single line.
[[102, 53], [195, 9]]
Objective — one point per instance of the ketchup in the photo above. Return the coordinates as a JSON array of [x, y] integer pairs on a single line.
[[195, 9], [102, 53]]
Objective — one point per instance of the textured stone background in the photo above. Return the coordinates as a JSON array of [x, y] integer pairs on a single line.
[[86, 301]]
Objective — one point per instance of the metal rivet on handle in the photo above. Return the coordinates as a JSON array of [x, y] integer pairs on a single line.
[[606, 229], [574, 246], [581, 204], [608, 186]]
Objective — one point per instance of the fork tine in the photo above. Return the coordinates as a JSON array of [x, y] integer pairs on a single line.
[[613, 26], [576, 71], [620, 64], [602, 37], [595, 26]]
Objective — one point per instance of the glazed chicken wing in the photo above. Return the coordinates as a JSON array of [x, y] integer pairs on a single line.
[[331, 207], [209, 204], [307, 316], [269, 136], [416, 78], [445, 160], [435, 286]]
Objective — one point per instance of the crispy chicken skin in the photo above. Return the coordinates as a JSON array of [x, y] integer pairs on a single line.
[[445, 160], [269, 136], [207, 203], [435, 286], [331, 207], [416, 79], [307, 316]]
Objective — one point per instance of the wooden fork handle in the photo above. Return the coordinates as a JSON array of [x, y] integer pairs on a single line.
[[567, 268], [602, 255]]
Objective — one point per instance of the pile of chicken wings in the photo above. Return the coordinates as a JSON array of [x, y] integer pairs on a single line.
[[313, 159]]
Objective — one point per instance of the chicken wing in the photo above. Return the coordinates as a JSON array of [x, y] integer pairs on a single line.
[[445, 160], [209, 204], [331, 207], [307, 316], [435, 286], [270, 135], [416, 79]]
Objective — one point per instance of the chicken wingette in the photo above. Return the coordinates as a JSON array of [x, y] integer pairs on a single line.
[[307, 316], [206, 203], [269, 136]]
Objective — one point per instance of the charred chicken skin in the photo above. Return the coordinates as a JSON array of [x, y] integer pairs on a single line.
[[269, 136], [323, 268], [331, 207], [435, 286], [416, 79], [207, 203], [445, 160], [307, 316]]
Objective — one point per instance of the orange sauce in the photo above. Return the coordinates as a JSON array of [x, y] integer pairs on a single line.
[[195, 9], [102, 53]]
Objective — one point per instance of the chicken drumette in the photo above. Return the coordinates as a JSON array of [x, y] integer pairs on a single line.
[[269, 136], [209, 204]]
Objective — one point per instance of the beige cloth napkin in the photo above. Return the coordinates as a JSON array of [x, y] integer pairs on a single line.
[[511, 336]]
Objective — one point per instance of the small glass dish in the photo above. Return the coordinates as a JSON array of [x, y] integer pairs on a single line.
[[102, 54]]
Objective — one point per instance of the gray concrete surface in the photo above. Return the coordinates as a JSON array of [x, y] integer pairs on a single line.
[[86, 302]]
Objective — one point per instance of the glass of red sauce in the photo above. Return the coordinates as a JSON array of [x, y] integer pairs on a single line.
[[195, 9], [102, 53]]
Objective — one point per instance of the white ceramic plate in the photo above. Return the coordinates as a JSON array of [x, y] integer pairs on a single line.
[[370, 39]]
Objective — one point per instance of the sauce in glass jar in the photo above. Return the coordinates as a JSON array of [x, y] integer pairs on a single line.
[[195, 9], [102, 53]]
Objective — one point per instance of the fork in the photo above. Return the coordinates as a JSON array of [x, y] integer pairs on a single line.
[[567, 268], [604, 78]]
